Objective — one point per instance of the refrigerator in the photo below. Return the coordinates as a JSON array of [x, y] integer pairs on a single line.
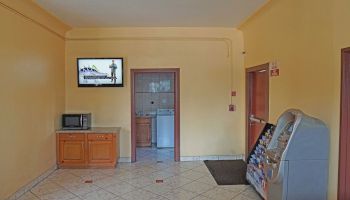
[[165, 128]]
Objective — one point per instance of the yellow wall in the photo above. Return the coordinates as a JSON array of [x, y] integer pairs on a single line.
[[32, 94], [207, 128], [305, 38]]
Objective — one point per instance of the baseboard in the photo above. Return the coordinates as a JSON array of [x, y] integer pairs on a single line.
[[124, 160], [31, 184], [196, 158], [223, 157]]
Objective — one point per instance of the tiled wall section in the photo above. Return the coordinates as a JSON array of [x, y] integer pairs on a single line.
[[153, 91]]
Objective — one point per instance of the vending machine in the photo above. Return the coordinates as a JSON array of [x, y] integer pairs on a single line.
[[296, 158], [256, 159]]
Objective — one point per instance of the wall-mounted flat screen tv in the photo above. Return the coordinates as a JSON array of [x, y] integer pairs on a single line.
[[100, 72]]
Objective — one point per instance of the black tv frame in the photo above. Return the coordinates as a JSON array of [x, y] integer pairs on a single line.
[[101, 85]]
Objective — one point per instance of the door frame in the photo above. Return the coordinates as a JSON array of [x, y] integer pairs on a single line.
[[176, 72], [344, 136], [248, 78]]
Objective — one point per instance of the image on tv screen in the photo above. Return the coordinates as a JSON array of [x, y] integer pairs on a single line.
[[100, 72]]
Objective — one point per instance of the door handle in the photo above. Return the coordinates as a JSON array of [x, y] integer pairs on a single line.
[[252, 118]]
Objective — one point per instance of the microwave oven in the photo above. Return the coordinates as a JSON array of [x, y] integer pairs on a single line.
[[76, 121]]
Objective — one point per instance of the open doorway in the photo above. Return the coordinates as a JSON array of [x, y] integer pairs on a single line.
[[155, 115], [344, 137], [257, 102]]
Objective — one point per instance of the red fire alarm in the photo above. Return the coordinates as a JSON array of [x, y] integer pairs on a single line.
[[275, 72]]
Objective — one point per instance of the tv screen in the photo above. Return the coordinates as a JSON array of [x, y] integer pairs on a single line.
[[100, 72]]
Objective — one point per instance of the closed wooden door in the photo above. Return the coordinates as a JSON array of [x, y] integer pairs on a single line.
[[101, 148], [257, 94], [72, 152], [344, 138]]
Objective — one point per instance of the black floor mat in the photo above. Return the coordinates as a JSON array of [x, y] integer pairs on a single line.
[[228, 172]]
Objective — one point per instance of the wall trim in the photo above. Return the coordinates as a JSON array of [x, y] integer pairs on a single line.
[[43, 26], [124, 160], [220, 157], [32, 183], [226, 40]]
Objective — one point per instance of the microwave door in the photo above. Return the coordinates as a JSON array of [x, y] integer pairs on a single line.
[[72, 121]]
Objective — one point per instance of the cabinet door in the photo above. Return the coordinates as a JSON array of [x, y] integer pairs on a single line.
[[143, 134], [72, 152], [102, 149]]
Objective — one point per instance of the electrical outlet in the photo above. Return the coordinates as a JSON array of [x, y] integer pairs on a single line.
[[233, 93], [231, 107]]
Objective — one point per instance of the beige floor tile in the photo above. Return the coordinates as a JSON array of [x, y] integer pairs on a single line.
[[193, 175], [200, 197], [120, 188], [158, 188], [175, 169], [117, 198], [161, 175], [58, 195], [140, 182], [82, 172], [250, 193], [28, 196], [159, 166], [235, 188], [179, 194], [190, 165], [139, 195], [98, 195], [136, 181], [202, 169], [126, 175], [177, 181], [106, 181], [82, 189], [94, 176], [243, 197], [110, 172], [45, 187], [197, 187], [208, 180], [67, 183], [220, 194]]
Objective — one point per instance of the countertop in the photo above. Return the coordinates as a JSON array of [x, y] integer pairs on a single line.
[[92, 130]]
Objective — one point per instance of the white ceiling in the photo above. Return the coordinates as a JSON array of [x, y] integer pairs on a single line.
[[151, 13]]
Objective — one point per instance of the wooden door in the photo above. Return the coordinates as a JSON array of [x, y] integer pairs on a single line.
[[344, 138], [101, 149], [72, 149], [257, 101]]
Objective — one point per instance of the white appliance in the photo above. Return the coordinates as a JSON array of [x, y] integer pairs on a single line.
[[165, 128]]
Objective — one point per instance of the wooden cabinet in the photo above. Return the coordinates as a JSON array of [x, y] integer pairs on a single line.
[[143, 131], [87, 149], [101, 149], [71, 149]]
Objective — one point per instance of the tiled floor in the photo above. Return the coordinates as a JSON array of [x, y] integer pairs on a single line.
[[137, 181], [147, 154]]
